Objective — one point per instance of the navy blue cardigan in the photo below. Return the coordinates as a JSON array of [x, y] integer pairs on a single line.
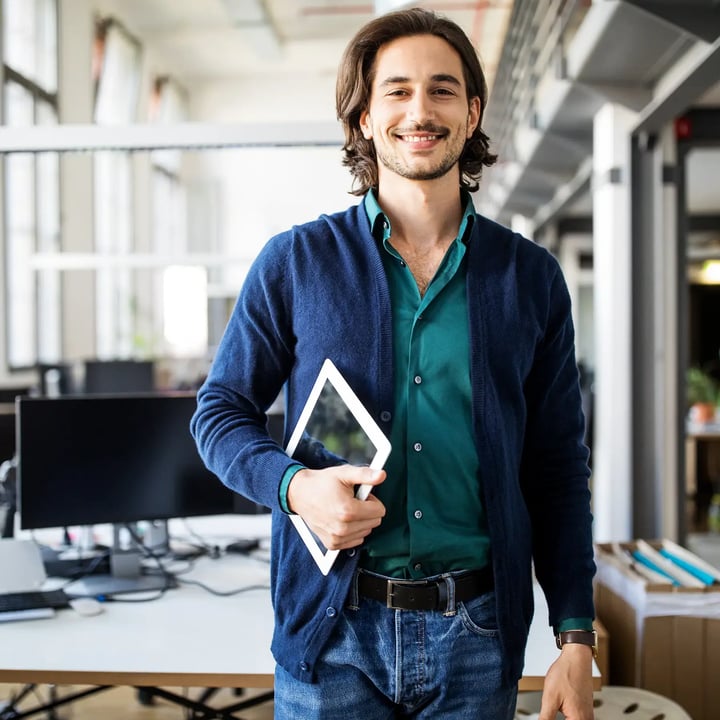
[[319, 290]]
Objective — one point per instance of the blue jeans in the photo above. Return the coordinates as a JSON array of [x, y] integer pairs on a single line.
[[382, 663]]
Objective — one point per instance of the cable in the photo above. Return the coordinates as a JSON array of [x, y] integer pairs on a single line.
[[223, 593]]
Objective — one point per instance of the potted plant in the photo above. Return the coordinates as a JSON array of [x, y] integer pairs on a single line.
[[703, 394]]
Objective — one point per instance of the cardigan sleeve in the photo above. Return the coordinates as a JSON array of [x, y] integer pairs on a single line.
[[248, 372], [554, 466]]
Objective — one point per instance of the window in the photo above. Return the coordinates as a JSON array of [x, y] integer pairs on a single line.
[[180, 291], [31, 184], [118, 75]]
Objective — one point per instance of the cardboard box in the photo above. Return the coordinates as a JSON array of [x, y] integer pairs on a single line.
[[663, 638]]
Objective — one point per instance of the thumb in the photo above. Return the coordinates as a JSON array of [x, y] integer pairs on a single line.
[[361, 475]]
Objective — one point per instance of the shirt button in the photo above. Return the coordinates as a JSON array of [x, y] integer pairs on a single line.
[[331, 612], [417, 447], [385, 415], [417, 379], [417, 566], [418, 514], [304, 666], [402, 263], [351, 552]]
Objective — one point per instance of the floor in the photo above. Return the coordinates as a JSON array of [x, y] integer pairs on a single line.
[[123, 704]]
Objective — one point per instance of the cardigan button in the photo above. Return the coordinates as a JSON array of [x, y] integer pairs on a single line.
[[385, 415]]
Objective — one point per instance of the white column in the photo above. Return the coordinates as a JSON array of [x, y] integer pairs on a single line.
[[76, 176], [612, 452], [668, 338]]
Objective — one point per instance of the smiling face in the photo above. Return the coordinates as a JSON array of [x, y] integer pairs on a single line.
[[419, 116]]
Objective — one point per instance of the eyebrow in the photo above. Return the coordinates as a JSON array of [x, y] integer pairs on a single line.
[[440, 77]]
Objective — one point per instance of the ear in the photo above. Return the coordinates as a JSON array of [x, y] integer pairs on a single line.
[[473, 115], [365, 125]]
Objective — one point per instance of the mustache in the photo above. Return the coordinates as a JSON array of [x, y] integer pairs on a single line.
[[424, 128]]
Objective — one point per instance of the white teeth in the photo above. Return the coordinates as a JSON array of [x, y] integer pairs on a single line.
[[419, 138]]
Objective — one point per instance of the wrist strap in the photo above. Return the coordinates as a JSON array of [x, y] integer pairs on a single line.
[[580, 637]]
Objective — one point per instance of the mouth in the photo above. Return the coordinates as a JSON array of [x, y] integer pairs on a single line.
[[420, 136]]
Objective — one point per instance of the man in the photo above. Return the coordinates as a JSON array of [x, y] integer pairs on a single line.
[[456, 334]]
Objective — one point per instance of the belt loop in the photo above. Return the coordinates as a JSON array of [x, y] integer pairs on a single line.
[[446, 593], [354, 596]]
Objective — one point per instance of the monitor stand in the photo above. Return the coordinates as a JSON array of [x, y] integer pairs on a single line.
[[125, 576]]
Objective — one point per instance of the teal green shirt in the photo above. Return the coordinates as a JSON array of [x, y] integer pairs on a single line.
[[435, 518]]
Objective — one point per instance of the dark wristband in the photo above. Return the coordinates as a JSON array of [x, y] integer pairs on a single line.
[[580, 637]]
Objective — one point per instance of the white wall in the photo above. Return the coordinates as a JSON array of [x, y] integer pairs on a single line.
[[263, 191]]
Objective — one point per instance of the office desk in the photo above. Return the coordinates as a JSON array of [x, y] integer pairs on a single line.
[[188, 638]]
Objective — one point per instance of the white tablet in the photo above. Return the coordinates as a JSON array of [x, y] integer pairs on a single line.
[[334, 428]]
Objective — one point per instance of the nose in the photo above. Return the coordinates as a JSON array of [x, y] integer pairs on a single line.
[[420, 108]]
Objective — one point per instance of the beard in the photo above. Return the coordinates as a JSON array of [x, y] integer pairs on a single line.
[[397, 164]]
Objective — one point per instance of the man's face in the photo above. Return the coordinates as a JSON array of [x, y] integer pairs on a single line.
[[418, 116]]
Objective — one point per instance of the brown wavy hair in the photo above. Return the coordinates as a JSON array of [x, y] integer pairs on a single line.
[[354, 83]]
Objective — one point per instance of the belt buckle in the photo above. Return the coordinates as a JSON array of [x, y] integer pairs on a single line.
[[389, 594], [391, 584]]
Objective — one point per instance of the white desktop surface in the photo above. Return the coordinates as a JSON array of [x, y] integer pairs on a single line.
[[188, 637]]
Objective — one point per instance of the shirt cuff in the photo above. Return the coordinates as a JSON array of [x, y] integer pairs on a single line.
[[287, 477], [575, 624]]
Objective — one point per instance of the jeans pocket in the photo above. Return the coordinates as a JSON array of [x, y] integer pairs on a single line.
[[479, 615]]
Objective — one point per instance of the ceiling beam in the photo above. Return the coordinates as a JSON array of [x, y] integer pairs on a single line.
[[182, 136], [698, 17]]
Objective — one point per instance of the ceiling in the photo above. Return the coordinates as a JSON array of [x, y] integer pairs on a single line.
[[541, 112], [224, 39]]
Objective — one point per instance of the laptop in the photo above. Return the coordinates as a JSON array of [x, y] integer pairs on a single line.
[[22, 572]]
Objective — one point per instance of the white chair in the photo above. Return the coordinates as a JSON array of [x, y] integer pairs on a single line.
[[613, 703]]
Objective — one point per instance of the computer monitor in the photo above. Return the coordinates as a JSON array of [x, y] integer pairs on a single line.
[[56, 379], [8, 394], [7, 434], [119, 376], [7, 419], [119, 459]]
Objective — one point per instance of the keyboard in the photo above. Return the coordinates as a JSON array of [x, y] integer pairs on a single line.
[[34, 600]]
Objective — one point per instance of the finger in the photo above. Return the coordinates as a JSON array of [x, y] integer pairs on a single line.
[[360, 475], [344, 542], [548, 709], [369, 509], [345, 534]]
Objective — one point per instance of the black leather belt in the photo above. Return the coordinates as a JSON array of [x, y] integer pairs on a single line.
[[424, 594]]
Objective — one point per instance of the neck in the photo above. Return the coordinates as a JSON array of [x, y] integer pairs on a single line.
[[422, 213]]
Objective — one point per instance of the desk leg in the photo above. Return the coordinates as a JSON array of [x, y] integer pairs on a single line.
[[10, 712], [202, 709]]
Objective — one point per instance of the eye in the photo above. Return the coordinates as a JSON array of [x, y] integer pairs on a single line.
[[444, 91], [397, 92]]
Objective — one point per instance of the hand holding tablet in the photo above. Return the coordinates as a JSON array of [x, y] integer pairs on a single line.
[[334, 429]]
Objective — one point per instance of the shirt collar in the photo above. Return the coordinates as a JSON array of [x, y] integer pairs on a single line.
[[380, 224]]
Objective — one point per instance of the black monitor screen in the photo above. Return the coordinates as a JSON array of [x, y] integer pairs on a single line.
[[119, 376], [112, 459], [7, 435]]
